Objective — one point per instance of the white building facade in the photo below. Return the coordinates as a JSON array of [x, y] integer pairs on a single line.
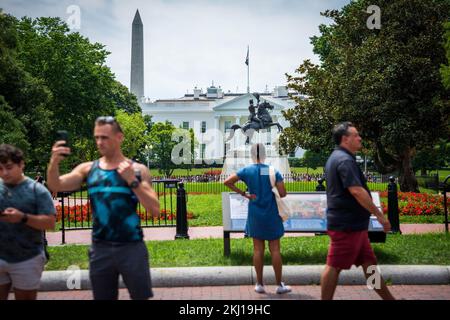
[[212, 114]]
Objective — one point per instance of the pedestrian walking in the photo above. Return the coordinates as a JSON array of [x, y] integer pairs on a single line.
[[349, 206]]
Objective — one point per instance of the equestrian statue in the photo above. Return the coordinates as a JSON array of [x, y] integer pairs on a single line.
[[258, 120]]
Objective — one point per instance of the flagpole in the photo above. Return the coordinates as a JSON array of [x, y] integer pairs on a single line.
[[248, 70]]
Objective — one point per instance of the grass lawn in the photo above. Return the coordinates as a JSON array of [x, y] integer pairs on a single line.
[[307, 170], [442, 174], [398, 249]]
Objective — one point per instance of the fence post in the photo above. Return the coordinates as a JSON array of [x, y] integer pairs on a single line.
[[226, 244], [63, 231], [320, 186], [446, 189], [182, 227], [393, 214]]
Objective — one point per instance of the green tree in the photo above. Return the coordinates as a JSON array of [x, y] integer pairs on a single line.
[[12, 130], [427, 159], [160, 139], [25, 105], [148, 122], [167, 142], [74, 70], [134, 128], [445, 69], [53, 79], [386, 81], [314, 160]]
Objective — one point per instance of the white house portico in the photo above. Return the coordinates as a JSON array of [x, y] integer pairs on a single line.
[[211, 116]]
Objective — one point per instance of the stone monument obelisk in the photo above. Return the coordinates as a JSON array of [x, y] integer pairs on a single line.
[[137, 57]]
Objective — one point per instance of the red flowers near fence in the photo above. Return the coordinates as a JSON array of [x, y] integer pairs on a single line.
[[83, 213], [417, 204]]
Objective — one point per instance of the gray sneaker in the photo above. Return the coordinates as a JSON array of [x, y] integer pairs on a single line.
[[282, 288], [259, 288]]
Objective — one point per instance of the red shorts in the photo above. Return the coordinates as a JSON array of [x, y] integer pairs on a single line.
[[348, 248]]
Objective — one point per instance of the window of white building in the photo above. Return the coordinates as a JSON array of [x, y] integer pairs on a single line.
[[202, 151], [227, 125]]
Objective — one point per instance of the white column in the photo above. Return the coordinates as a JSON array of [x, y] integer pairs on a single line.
[[243, 119], [238, 133], [217, 143]]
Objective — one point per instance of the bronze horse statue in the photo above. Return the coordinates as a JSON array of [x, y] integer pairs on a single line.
[[262, 120]]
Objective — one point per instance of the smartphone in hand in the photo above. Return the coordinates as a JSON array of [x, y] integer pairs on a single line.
[[63, 135]]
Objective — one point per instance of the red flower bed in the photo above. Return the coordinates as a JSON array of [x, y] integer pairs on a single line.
[[213, 172], [83, 213], [417, 204]]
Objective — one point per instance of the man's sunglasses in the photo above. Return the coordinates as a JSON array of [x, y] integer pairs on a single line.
[[106, 119]]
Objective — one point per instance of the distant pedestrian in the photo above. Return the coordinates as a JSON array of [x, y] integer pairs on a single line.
[[263, 222], [39, 178], [26, 210], [349, 206]]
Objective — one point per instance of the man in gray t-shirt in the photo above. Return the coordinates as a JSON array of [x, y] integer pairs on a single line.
[[26, 210]]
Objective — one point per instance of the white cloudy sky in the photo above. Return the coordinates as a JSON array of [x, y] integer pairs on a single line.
[[194, 42]]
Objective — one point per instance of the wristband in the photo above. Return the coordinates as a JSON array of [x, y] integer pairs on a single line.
[[24, 218]]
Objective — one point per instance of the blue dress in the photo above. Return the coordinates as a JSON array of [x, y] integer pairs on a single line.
[[263, 221]]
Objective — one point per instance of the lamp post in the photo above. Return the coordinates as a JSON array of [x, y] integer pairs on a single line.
[[148, 149]]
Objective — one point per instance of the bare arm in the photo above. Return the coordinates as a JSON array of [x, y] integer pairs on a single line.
[[38, 222], [68, 182], [365, 200], [281, 189], [146, 194], [230, 183]]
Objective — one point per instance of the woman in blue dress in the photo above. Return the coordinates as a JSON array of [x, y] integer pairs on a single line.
[[263, 221]]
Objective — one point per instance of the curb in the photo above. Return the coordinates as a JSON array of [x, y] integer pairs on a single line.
[[229, 276]]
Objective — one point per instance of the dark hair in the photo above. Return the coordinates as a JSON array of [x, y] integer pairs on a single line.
[[9, 152], [340, 130], [258, 152], [100, 121]]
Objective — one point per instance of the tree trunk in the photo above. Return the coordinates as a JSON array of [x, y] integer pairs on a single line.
[[407, 178]]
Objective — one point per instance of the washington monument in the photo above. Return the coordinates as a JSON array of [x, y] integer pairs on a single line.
[[137, 57]]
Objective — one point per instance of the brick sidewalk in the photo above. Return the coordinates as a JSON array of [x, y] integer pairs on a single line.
[[158, 233], [428, 292]]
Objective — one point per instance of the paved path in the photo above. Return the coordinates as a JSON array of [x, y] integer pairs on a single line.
[[168, 233], [428, 292]]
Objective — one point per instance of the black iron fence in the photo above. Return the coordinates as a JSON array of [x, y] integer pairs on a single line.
[[429, 182], [74, 211], [293, 182]]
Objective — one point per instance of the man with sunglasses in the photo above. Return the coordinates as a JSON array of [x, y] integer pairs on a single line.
[[116, 185]]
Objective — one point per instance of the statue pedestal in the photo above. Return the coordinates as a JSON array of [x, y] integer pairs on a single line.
[[240, 157]]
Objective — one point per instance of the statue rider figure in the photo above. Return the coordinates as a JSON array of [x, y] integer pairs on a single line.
[[252, 117]]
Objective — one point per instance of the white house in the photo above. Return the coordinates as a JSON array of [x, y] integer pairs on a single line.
[[212, 114]]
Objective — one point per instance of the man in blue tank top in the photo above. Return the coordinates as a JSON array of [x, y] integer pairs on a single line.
[[116, 185]]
